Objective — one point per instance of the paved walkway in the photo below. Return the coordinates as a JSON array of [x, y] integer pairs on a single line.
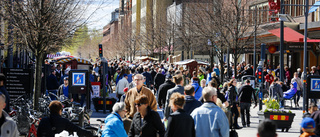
[[294, 131]]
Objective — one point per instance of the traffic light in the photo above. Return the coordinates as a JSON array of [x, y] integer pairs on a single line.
[[260, 75], [100, 50]]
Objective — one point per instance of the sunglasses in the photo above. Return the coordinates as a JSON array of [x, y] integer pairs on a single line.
[[139, 104]]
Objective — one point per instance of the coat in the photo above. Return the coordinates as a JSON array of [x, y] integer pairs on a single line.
[[177, 88], [158, 80], [114, 126], [151, 125], [191, 104], [148, 78], [180, 124], [162, 92], [245, 94], [210, 121], [54, 124], [9, 127], [197, 90], [133, 94], [123, 83], [291, 92], [275, 91]]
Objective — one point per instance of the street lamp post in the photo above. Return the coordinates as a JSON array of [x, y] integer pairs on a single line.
[[281, 43], [305, 57]]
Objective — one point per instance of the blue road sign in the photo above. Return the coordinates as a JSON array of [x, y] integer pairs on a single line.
[[315, 84], [78, 79]]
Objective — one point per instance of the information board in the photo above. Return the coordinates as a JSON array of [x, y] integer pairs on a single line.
[[18, 82]]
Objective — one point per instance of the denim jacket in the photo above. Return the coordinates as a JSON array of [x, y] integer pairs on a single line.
[[210, 121]]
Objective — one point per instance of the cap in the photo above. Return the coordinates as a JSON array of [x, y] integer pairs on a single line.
[[125, 75], [307, 123], [65, 78], [168, 76]]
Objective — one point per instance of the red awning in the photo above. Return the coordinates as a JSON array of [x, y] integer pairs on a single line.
[[291, 35]]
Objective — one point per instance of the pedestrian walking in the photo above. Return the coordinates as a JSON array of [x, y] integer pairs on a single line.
[[197, 87], [146, 122], [113, 123], [52, 84], [163, 90], [299, 88], [209, 119], [178, 80], [135, 92], [123, 83], [180, 123], [191, 102], [232, 96], [246, 92]]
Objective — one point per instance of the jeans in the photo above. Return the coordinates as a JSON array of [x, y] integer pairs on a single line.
[[297, 97], [245, 108], [234, 110]]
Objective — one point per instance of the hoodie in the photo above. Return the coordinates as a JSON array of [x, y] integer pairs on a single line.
[[291, 92]]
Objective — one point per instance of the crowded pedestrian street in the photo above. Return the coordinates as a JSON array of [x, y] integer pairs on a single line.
[[159, 68]]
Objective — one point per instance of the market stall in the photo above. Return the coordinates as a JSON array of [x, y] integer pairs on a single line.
[[192, 64]]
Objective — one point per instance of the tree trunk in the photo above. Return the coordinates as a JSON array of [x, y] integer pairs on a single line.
[[222, 68], [37, 81]]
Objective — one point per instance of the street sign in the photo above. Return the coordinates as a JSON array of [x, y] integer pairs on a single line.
[[78, 79], [315, 84]]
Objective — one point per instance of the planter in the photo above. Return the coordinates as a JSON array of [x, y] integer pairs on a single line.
[[98, 103], [283, 120]]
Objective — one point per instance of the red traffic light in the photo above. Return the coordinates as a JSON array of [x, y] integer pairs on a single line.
[[259, 73]]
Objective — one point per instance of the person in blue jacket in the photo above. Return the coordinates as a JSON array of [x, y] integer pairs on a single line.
[[291, 92], [114, 124], [197, 88]]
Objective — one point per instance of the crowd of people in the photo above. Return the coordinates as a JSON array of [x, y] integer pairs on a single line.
[[194, 103]]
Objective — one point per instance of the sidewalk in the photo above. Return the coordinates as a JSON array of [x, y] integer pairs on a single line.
[[251, 131]]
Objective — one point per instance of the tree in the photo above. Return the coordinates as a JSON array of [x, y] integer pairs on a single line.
[[225, 24], [45, 26]]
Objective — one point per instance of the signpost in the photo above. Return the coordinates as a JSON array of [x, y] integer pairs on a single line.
[[19, 82], [313, 89], [79, 84]]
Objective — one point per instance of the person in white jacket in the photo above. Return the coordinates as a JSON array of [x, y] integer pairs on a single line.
[[123, 83], [8, 126], [299, 88]]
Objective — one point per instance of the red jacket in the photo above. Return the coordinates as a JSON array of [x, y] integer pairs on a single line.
[[269, 78]]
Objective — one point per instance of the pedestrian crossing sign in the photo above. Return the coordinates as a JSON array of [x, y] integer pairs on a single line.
[[315, 84], [78, 79]]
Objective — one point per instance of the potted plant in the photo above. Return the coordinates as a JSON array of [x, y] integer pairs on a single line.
[[283, 118], [98, 102]]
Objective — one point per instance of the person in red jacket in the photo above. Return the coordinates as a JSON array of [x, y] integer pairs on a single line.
[[269, 79]]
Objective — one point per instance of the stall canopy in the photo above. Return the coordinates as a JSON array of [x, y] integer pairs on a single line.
[[191, 61], [73, 62], [145, 58], [62, 60]]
